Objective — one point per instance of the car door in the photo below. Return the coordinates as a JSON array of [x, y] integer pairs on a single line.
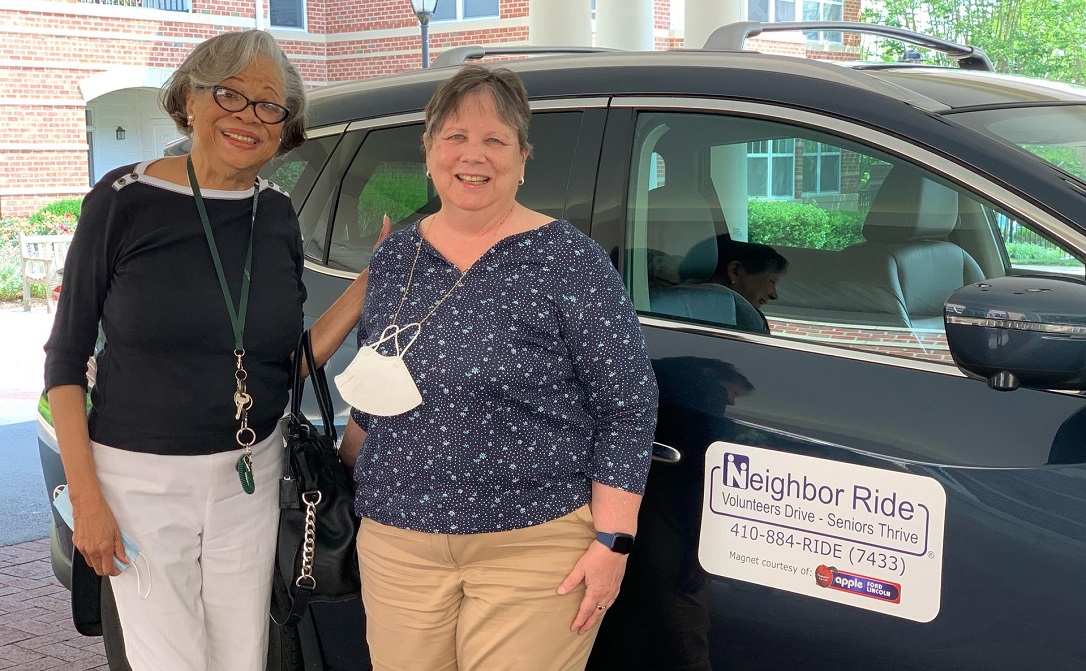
[[846, 497]]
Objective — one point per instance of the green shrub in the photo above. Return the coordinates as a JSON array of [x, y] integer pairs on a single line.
[[11, 275], [791, 224], [1033, 254], [397, 192], [845, 228], [66, 208]]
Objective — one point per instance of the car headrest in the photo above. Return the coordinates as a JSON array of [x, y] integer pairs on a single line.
[[678, 220], [909, 207]]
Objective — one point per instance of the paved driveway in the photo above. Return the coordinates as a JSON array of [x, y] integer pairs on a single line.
[[35, 611], [36, 629], [23, 497]]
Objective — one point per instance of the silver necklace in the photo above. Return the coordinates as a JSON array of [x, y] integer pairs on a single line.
[[411, 277]]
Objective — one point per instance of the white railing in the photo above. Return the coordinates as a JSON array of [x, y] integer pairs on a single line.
[[170, 5]]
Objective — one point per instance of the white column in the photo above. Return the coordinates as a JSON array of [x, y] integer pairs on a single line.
[[705, 16], [566, 23], [625, 24], [729, 163]]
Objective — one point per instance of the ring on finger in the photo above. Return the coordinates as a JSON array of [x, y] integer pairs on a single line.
[[600, 607]]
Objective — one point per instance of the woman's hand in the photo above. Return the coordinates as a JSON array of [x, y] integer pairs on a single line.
[[96, 533], [97, 536], [341, 317], [601, 570]]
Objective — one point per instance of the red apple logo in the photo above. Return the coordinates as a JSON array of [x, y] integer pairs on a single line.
[[824, 575]]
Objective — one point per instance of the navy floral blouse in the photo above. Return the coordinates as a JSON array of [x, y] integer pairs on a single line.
[[534, 377]]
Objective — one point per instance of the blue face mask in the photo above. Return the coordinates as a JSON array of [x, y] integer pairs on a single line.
[[63, 505]]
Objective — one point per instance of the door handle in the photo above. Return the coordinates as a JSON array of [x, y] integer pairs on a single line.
[[665, 453]]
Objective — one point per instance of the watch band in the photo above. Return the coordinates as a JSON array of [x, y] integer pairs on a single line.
[[616, 542]]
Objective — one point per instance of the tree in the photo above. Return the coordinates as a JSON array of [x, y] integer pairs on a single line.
[[1036, 38]]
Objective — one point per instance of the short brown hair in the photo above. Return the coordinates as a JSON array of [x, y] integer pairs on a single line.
[[510, 99], [222, 57]]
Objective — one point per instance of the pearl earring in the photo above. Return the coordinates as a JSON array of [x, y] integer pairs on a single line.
[[521, 182], [428, 174]]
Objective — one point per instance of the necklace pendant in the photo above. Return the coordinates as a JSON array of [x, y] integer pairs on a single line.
[[244, 467]]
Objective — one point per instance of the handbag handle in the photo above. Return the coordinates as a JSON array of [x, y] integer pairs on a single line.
[[320, 385]]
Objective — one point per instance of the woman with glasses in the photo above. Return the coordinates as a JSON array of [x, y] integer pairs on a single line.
[[192, 266]]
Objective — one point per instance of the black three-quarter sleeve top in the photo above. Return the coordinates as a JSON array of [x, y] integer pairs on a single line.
[[140, 266]]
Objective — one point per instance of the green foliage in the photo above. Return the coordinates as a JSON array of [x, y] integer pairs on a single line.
[[1069, 159], [1036, 38], [67, 208], [44, 222], [11, 274], [397, 191], [288, 174], [1028, 253], [791, 224], [844, 229]]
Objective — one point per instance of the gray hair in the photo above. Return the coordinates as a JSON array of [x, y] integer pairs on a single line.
[[222, 57], [507, 89]]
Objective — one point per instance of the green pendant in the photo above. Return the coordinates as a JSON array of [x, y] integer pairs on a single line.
[[245, 474]]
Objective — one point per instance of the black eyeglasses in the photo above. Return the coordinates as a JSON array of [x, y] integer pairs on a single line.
[[233, 101]]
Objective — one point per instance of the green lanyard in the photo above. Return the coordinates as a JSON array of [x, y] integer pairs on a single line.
[[245, 435]]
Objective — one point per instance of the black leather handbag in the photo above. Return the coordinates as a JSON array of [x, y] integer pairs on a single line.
[[316, 558]]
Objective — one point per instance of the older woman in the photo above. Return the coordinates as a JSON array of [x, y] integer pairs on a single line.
[[192, 266], [751, 270], [497, 513]]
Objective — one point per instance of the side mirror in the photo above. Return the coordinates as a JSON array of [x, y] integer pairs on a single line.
[[1024, 330]]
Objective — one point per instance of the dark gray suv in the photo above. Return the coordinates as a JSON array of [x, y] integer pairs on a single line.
[[889, 471]]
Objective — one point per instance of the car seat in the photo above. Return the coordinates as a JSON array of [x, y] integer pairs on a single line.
[[906, 251], [681, 238]]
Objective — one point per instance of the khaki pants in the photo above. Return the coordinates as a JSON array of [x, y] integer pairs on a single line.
[[474, 602]]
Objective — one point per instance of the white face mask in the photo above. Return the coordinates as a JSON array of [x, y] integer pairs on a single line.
[[63, 504], [378, 384]]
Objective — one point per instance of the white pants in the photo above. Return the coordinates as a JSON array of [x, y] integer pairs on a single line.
[[210, 548]]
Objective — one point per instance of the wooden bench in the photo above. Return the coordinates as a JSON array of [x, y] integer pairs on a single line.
[[42, 257]]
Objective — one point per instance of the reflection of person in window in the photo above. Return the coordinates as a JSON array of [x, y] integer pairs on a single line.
[[751, 270], [662, 618]]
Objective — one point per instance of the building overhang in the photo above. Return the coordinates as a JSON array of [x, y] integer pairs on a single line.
[[123, 77]]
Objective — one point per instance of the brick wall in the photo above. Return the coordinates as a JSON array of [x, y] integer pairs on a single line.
[[48, 47]]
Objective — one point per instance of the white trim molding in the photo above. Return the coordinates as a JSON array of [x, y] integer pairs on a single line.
[[123, 77], [43, 146], [56, 190], [122, 12]]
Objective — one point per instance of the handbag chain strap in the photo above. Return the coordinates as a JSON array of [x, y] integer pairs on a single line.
[[309, 541]]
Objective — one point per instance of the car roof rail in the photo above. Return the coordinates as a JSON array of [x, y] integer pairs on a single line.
[[473, 52], [733, 36]]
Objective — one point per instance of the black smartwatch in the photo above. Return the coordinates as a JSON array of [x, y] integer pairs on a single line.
[[620, 543]]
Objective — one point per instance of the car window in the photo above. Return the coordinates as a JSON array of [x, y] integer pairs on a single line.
[[388, 176], [874, 245], [297, 170]]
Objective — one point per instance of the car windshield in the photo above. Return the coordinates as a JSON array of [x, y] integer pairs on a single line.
[[1055, 133]]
